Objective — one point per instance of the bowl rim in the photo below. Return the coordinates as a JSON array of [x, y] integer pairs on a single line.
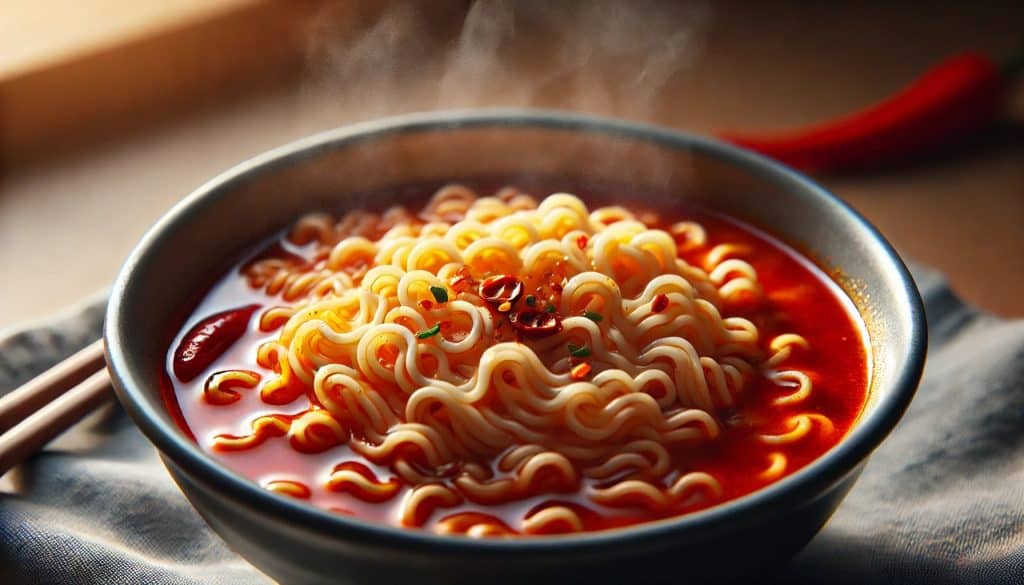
[[828, 469]]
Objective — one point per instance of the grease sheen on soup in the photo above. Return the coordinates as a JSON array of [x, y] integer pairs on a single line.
[[505, 364]]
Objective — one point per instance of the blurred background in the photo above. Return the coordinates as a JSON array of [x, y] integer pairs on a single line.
[[113, 110]]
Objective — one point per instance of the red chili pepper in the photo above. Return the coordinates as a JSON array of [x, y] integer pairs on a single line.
[[955, 97], [208, 339]]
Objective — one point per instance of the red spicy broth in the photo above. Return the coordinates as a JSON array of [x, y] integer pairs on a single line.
[[759, 434]]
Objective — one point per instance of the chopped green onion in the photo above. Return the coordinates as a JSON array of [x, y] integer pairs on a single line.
[[550, 309], [595, 317], [440, 294], [578, 350], [531, 300], [429, 332]]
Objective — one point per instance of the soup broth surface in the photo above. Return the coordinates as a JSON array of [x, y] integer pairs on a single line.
[[584, 366]]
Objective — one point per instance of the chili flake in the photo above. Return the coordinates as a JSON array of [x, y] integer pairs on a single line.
[[501, 288], [534, 323], [580, 371], [660, 303]]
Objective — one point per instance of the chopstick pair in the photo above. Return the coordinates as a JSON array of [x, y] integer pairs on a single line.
[[44, 407]]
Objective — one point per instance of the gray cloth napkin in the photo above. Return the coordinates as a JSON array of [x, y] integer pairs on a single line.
[[941, 501]]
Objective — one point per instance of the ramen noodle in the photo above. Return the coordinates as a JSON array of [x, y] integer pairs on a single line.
[[506, 365]]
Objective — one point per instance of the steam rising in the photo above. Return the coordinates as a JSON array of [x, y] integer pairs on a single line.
[[605, 57]]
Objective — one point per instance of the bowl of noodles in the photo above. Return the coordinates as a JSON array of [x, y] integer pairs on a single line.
[[512, 345]]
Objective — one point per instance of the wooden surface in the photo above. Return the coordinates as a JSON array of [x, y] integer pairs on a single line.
[[42, 33], [75, 73], [66, 225]]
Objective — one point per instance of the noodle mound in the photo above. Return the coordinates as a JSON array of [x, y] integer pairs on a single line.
[[499, 349]]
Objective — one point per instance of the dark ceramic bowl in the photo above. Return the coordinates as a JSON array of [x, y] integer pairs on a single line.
[[297, 543]]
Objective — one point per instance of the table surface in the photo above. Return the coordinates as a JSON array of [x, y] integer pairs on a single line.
[[66, 226]]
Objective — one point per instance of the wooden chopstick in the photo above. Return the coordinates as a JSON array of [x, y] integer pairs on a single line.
[[42, 389], [47, 405]]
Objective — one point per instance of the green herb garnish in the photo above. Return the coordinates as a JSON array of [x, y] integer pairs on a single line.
[[595, 317], [550, 309], [578, 350], [440, 294], [429, 332], [531, 300]]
